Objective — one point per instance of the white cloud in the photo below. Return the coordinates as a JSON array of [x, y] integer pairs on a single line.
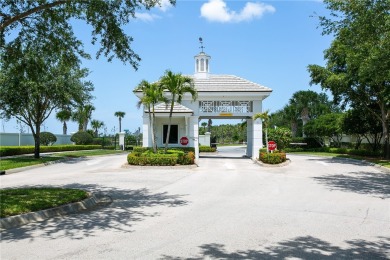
[[217, 11], [146, 17], [165, 5]]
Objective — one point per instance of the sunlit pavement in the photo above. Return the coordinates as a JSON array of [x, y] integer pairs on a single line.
[[227, 208]]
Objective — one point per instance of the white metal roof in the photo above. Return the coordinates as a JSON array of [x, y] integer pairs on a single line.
[[165, 108], [227, 83]]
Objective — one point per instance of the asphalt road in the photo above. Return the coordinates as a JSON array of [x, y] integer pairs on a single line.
[[227, 208]]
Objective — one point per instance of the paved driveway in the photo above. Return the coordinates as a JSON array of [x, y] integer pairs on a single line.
[[227, 208]]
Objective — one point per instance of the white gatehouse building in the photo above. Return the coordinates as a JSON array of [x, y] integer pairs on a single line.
[[219, 97]]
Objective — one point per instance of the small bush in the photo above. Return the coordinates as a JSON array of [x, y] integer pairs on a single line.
[[272, 158], [102, 141], [155, 159], [206, 149], [82, 138], [18, 150], [146, 156], [47, 138]]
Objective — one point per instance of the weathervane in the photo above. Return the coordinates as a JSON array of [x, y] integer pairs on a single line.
[[201, 43]]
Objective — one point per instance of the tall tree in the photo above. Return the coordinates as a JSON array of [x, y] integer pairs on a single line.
[[96, 125], [177, 85], [34, 81], [152, 95], [82, 115], [308, 104], [120, 115], [358, 64], [26, 19], [64, 115]]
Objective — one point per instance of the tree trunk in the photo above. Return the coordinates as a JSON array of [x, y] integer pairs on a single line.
[[120, 124], [294, 128], [37, 138], [385, 131], [169, 124], [64, 128]]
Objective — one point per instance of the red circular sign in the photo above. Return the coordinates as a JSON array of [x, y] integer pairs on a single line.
[[184, 140], [271, 145]]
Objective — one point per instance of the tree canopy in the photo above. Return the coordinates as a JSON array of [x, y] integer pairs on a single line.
[[21, 21], [357, 71], [34, 81]]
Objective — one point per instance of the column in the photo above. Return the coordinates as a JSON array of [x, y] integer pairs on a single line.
[[249, 134], [257, 138], [146, 135], [194, 135], [122, 140]]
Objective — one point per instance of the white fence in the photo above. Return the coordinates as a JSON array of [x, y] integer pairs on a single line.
[[19, 139]]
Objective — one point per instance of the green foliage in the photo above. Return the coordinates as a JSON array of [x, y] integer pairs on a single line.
[[152, 159], [107, 141], [47, 138], [25, 200], [146, 156], [152, 94], [177, 85], [31, 19], [326, 126], [229, 133], [281, 135], [206, 149], [82, 138], [358, 64], [18, 150], [272, 158]]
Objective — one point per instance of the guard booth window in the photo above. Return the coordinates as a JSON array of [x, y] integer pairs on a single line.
[[173, 135]]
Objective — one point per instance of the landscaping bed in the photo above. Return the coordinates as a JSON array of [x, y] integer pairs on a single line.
[[145, 156]]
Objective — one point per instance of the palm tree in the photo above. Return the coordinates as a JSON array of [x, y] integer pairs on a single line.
[[204, 124], [82, 115], [177, 85], [309, 104], [64, 116], [152, 95], [264, 118], [120, 115], [96, 125]]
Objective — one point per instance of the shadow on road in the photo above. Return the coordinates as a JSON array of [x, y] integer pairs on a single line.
[[307, 247], [375, 184], [127, 207]]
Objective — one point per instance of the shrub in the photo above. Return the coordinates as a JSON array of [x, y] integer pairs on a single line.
[[82, 137], [281, 135], [145, 156], [205, 149], [47, 138], [272, 158], [135, 158], [18, 150]]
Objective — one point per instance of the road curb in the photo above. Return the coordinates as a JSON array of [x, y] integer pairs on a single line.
[[287, 162], [23, 219]]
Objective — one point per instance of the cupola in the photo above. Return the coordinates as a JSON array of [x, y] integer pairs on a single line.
[[202, 63]]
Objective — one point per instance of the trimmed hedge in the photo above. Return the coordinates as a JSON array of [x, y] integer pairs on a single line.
[[82, 138], [172, 157], [338, 151], [272, 158], [144, 149], [206, 149], [18, 150]]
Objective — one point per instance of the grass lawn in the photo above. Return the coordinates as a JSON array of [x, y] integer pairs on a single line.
[[17, 162], [76, 154], [384, 163], [24, 200]]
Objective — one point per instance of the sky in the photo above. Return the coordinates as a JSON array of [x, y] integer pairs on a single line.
[[268, 42]]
